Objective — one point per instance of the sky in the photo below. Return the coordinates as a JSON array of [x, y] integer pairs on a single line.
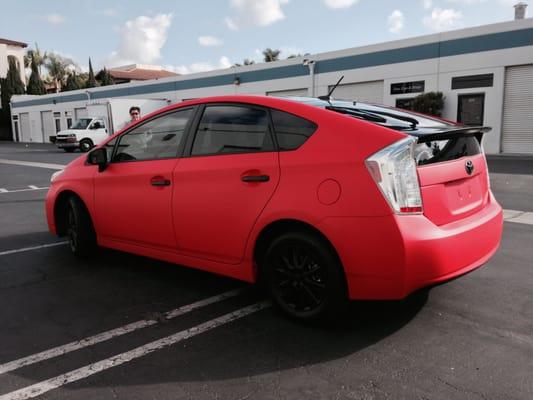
[[201, 35]]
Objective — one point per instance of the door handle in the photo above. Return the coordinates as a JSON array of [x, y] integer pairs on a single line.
[[159, 181], [255, 178]]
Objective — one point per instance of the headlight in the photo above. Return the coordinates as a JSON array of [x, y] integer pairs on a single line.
[[56, 174]]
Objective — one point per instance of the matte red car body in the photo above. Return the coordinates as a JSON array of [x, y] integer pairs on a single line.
[[209, 219]]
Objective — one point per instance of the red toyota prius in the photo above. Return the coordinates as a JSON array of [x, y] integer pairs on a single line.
[[321, 200]]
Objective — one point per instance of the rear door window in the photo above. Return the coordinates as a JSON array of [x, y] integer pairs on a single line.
[[291, 131], [227, 129]]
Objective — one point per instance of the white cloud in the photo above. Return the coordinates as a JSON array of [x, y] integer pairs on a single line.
[[395, 21], [336, 4], [141, 40], [441, 20], [53, 19], [222, 63], [209, 41], [427, 4], [255, 13]]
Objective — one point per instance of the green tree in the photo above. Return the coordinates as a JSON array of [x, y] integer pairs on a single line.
[[105, 78], [271, 55], [246, 61], [35, 84], [430, 103], [91, 81], [10, 85], [73, 82]]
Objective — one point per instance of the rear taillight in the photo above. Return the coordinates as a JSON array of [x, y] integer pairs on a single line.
[[394, 171]]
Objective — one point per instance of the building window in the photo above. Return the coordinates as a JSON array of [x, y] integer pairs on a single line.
[[472, 81], [406, 104], [407, 87], [69, 123]]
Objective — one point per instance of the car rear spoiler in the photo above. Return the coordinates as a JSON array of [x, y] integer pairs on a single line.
[[477, 131]]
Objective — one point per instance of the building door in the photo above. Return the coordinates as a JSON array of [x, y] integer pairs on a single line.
[[16, 130], [25, 129], [470, 109], [371, 92], [47, 124], [517, 126]]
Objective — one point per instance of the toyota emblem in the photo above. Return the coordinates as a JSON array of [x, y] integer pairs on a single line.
[[469, 167]]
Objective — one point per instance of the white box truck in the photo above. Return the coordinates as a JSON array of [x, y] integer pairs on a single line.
[[103, 118]]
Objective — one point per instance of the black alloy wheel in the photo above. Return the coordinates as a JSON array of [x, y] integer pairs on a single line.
[[304, 276], [80, 231]]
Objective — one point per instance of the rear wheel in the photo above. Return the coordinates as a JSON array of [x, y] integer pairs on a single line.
[[80, 231], [86, 145], [304, 276]]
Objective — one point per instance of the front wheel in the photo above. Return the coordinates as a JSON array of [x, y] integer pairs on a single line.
[[304, 276], [80, 231], [86, 145]]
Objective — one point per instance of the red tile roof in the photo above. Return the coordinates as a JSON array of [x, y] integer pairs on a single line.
[[139, 74], [13, 43]]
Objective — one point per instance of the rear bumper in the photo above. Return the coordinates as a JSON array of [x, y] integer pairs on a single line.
[[390, 257]]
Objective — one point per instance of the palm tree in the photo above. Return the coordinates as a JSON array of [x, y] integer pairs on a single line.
[[37, 56], [271, 55], [57, 69]]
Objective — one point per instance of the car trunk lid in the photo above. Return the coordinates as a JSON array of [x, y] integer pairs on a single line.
[[452, 172]]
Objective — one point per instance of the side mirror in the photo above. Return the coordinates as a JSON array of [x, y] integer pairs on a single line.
[[98, 157]]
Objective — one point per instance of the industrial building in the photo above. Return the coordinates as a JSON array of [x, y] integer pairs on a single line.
[[485, 73]]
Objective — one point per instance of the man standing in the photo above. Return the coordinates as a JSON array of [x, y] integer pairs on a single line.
[[135, 115]]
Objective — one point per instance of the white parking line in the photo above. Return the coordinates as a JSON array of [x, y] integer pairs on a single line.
[[113, 333], [30, 188], [32, 164], [122, 358], [519, 217], [41, 246]]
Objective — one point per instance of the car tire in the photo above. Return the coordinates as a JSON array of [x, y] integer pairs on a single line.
[[80, 230], [69, 149], [86, 145], [304, 277]]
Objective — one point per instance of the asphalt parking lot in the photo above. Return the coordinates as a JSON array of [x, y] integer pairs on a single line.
[[119, 326]]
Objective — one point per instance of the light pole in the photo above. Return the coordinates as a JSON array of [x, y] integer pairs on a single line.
[[311, 65]]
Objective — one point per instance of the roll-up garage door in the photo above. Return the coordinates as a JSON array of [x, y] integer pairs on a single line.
[[517, 127], [371, 92], [25, 130], [80, 113], [47, 121], [292, 92]]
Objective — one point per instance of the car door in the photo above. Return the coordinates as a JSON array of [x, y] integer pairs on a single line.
[[225, 183], [133, 194], [98, 131]]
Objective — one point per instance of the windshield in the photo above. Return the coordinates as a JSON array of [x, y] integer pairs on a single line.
[[82, 123]]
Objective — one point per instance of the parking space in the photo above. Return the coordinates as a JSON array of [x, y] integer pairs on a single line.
[[118, 326]]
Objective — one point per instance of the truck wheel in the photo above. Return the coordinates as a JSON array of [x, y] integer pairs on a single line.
[[86, 145], [69, 149], [80, 230], [305, 277]]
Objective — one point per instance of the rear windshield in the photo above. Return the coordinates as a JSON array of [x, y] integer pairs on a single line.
[[445, 150]]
